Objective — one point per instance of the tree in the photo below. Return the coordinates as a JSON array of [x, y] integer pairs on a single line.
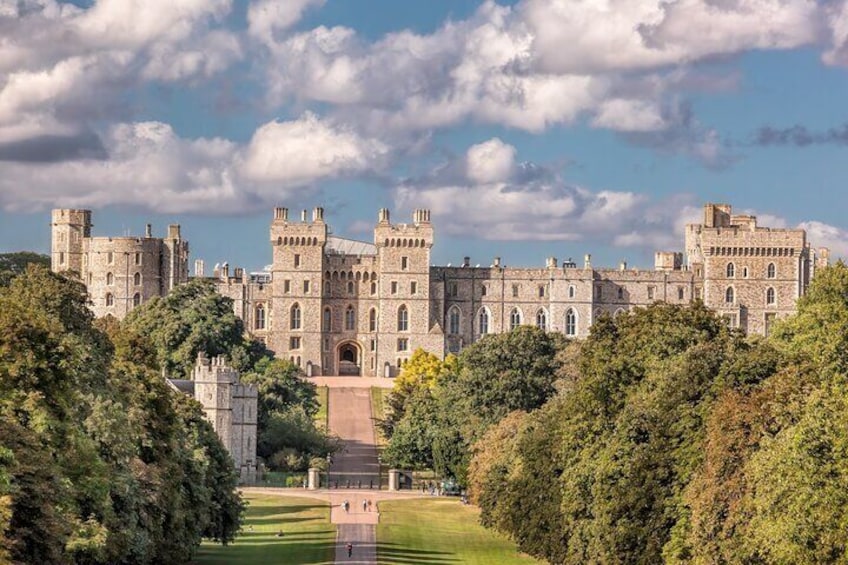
[[422, 372], [192, 318], [13, 264]]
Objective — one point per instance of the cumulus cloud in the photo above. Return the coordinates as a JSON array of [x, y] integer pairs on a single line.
[[265, 18], [300, 151], [499, 199], [63, 67], [834, 238], [626, 63], [147, 164]]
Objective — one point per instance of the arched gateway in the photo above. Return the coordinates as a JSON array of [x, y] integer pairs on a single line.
[[349, 358]]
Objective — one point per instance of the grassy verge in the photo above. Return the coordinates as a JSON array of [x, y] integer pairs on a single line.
[[308, 536], [378, 412], [440, 530], [321, 415]]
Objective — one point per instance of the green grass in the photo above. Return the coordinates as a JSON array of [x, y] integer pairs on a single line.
[[440, 530], [321, 415], [378, 412], [308, 536]]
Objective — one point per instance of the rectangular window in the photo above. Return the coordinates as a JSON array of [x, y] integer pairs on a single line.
[[413, 287], [394, 287], [541, 291], [296, 260], [404, 263], [453, 289], [305, 287], [326, 344], [599, 292], [515, 291], [373, 345], [483, 290], [110, 258], [287, 286], [61, 257], [680, 293], [138, 258], [650, 293], [294, 343], [403, 344]]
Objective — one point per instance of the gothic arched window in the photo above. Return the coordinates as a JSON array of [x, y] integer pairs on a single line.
[[514, 318], [110, 300], [372, 320], [453, 320], [542, 320], [770, 297], [771, 271], [484, 321], [259, 318], [137, 279], [136, 299], [728, 295], [110, 279], [295, 317], [731, 270], [350, 318], [570, 322], [403, 319]]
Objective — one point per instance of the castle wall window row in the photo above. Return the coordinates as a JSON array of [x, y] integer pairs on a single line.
[[728, 262]]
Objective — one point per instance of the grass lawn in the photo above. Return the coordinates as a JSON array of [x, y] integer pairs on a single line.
[[321, 415], [440, 530], [378, 411], [308, 536]]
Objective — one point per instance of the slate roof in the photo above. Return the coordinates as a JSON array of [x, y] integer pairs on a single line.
[[341, 246]]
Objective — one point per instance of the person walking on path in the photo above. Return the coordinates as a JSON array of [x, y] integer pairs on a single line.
[[365, 506], [349, 549], [369, 505]]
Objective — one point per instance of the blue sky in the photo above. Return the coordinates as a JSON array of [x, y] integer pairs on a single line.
[[532, 128]]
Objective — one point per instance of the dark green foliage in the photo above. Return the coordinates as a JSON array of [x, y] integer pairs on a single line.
[[13, 264], [100, 462], [496, 375], [193, 318], [288, 437]]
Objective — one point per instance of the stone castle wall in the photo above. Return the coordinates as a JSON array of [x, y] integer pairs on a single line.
[[334, 306]]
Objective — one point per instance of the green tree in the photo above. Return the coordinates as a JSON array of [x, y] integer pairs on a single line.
[[192, 318], [423, 371], [13, 264]]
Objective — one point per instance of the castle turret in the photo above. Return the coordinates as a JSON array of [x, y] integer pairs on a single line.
[[69, 228]]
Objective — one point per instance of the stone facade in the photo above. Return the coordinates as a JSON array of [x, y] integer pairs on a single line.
[[339, 306], [231, 407], [119, 272]]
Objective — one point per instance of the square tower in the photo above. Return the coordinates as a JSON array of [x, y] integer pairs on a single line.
[[68, 229]]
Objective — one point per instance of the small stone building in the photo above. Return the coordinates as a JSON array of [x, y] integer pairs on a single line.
[[230, 406]]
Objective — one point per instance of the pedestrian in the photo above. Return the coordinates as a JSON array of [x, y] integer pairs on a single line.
[[349, 549], [365, 506], [346, 505], [369, 505]]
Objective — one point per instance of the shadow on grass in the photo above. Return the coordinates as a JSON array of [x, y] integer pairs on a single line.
[[318, 551], [255, 512], [394, 553]]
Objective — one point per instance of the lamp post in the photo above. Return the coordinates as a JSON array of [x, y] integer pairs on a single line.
[[379, 472], [329, 462]]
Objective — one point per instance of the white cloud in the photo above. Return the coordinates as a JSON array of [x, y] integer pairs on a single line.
[[834, 238], [490, 161], [63, 67], [267, 17], [146, 164], [307, 149], [532, 202]]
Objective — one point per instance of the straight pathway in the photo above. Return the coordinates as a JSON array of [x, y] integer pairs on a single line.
[[349, 417]]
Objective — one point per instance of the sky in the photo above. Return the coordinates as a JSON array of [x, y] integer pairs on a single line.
[[530, 129]]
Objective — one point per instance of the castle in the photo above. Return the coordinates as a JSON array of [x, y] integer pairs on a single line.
[[229, 405], [339, 306]]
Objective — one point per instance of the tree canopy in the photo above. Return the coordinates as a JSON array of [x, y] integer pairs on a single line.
[[100, 462]]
